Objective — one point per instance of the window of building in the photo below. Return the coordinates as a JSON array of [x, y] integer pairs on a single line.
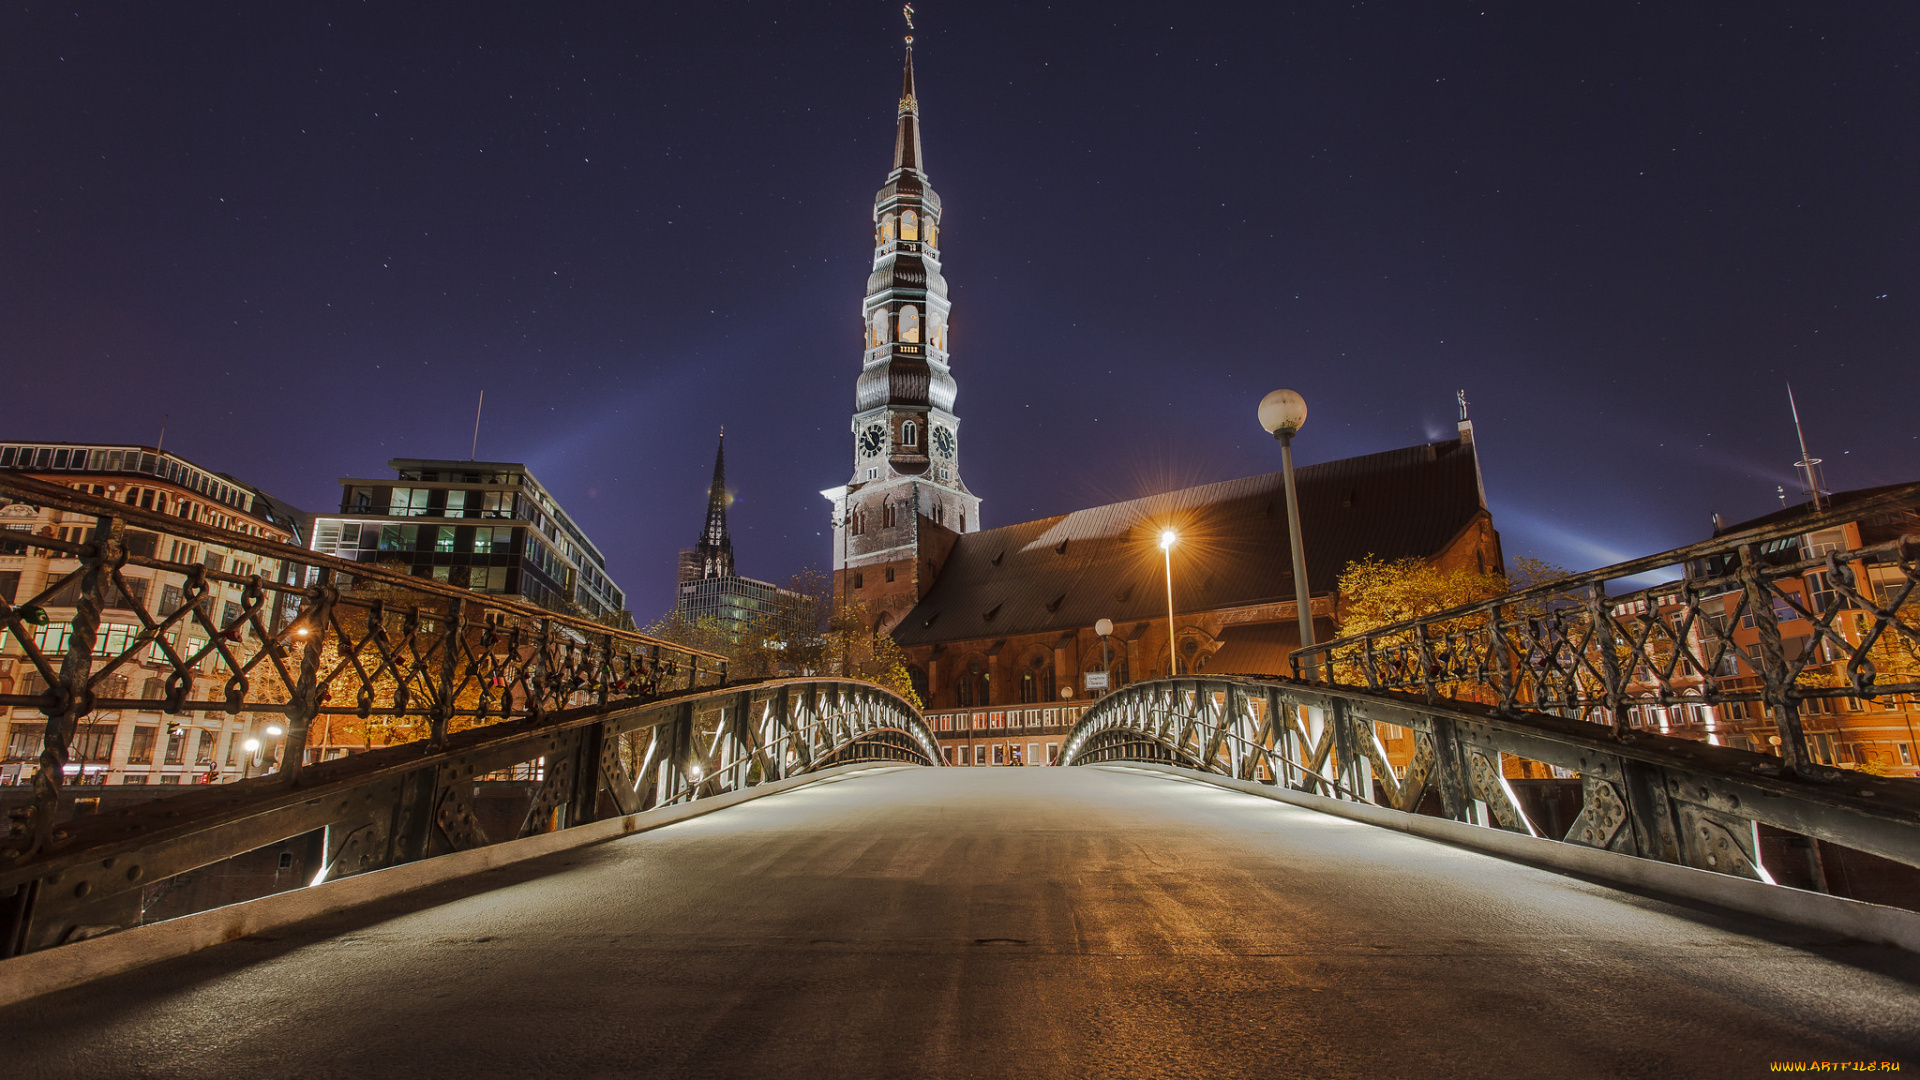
[[24, 741], [408, 502], [177, 747], [910, 323], [457, 502], [399, 537], [492, 539], [973, 684], [203, 752], [858, 580], [141, 753], [886, 229], [909, 225], [889, 573], [443, 539], [9, 586], [980, 755], [909, 434]]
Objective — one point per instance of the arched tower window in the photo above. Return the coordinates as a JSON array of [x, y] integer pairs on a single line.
[[886, 229], [974, 687], [909, 323], [937, 330], [909, 225], [909, 434], [933, 233], [877, 328]]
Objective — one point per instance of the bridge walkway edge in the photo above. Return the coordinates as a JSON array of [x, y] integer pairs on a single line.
[[33, 974], [1875, 923]]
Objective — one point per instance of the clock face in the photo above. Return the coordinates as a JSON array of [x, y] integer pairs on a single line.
[[943, 442], [872, 439]]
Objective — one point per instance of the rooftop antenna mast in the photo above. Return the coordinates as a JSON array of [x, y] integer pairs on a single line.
[[474, 454], [1807, 461]]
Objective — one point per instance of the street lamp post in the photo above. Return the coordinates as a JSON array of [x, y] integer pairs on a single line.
[[1283, 413], [1167, 539]]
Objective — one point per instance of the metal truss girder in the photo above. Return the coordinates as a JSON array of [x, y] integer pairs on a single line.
[[1643, 794]]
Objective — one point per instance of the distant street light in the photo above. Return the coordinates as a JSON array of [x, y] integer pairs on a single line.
[[1283, 413], [1167, 539], [252, 747], [1104, 628]]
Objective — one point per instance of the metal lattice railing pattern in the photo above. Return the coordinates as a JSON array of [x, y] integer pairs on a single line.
[[1641, 794], [322, 637], [467, 685], [416, 800], [1766, 617]]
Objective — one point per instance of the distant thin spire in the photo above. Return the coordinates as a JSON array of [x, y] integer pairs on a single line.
[[906, 140], [715, 548]]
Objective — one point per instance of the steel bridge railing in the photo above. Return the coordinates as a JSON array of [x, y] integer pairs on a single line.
[[415, 800], [1762, 621], [320, 642], [1647, 795]]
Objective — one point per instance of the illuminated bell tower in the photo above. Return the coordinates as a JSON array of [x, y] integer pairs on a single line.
[[897, 517]]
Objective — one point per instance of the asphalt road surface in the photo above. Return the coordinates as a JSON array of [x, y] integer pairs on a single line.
[[997, 922]]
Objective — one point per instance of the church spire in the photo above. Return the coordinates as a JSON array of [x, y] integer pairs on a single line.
[[715, 548], [906, 139]]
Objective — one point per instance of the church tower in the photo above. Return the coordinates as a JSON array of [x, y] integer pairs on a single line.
[[712, 557], [898, 516]]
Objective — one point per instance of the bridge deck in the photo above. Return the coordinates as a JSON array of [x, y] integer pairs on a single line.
[[987, 922]]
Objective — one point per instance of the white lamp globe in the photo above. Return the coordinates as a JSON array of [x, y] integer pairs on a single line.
[[1283, 412], [1104, 627]]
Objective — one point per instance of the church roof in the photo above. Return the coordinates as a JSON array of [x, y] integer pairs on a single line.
[[1066, 572]]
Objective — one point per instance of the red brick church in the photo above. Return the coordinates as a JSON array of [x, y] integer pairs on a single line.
[[999, 622]]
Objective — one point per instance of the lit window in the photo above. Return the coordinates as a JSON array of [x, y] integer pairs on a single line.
[[408, 502], [909, 323], [886, 229], [909, 225], [877, 329]]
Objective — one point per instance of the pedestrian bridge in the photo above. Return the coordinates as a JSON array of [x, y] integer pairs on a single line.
[[892, 921], [715, 877]]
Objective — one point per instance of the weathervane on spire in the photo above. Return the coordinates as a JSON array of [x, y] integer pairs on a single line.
[[907, 13], [1461, 397]]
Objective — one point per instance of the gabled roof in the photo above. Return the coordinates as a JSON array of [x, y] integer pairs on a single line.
[[1066, 572], [1901, 520]]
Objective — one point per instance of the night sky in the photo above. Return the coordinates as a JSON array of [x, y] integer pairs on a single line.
[[313, 233]]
